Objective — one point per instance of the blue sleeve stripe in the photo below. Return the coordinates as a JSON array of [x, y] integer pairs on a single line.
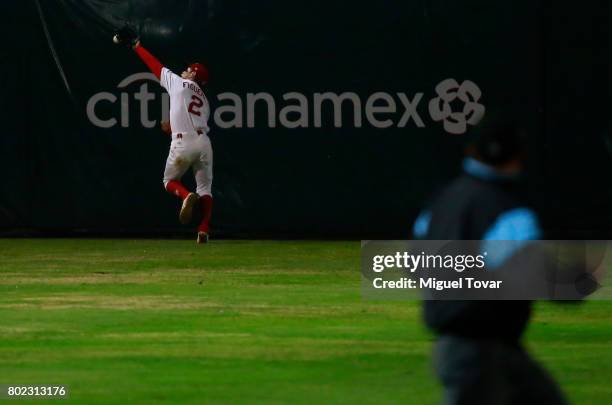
[[516, 228], [516, 224], [421, 225]]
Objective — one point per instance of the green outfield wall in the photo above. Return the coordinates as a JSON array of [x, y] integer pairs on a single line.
[[330, 118]]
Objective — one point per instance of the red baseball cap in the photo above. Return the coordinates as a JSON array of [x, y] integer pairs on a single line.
[[201, 72]]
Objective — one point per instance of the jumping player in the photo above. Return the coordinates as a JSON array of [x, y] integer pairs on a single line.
[[190, 146]]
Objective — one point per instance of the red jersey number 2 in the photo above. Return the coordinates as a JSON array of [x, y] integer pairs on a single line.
[[194, 105]]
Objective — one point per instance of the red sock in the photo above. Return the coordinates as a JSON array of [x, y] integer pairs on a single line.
[[206, 203], [176, 187]]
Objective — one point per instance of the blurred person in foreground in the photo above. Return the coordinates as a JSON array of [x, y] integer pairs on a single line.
[[478, 354]]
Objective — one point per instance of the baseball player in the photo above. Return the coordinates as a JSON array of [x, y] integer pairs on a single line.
[[190, 146]]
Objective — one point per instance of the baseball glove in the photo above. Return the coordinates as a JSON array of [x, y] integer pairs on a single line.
[[126, 36]]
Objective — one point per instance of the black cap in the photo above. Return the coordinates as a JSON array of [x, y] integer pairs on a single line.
[[497, 140]]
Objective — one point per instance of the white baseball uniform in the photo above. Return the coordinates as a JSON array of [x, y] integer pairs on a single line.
[[190, 146]]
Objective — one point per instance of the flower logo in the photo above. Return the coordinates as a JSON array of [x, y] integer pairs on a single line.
[[441, 110]]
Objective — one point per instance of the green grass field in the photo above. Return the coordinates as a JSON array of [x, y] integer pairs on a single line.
[[241, 322]]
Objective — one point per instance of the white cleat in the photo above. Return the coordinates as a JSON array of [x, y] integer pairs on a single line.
[[187, 209], [202, 237]]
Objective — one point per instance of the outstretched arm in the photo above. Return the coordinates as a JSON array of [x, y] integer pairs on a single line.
[[151, 61], [127, 36]]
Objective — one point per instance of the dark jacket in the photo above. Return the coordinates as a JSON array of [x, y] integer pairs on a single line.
[[479, 205]]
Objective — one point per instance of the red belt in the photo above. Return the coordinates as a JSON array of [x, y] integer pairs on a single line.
[[180, 136]]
